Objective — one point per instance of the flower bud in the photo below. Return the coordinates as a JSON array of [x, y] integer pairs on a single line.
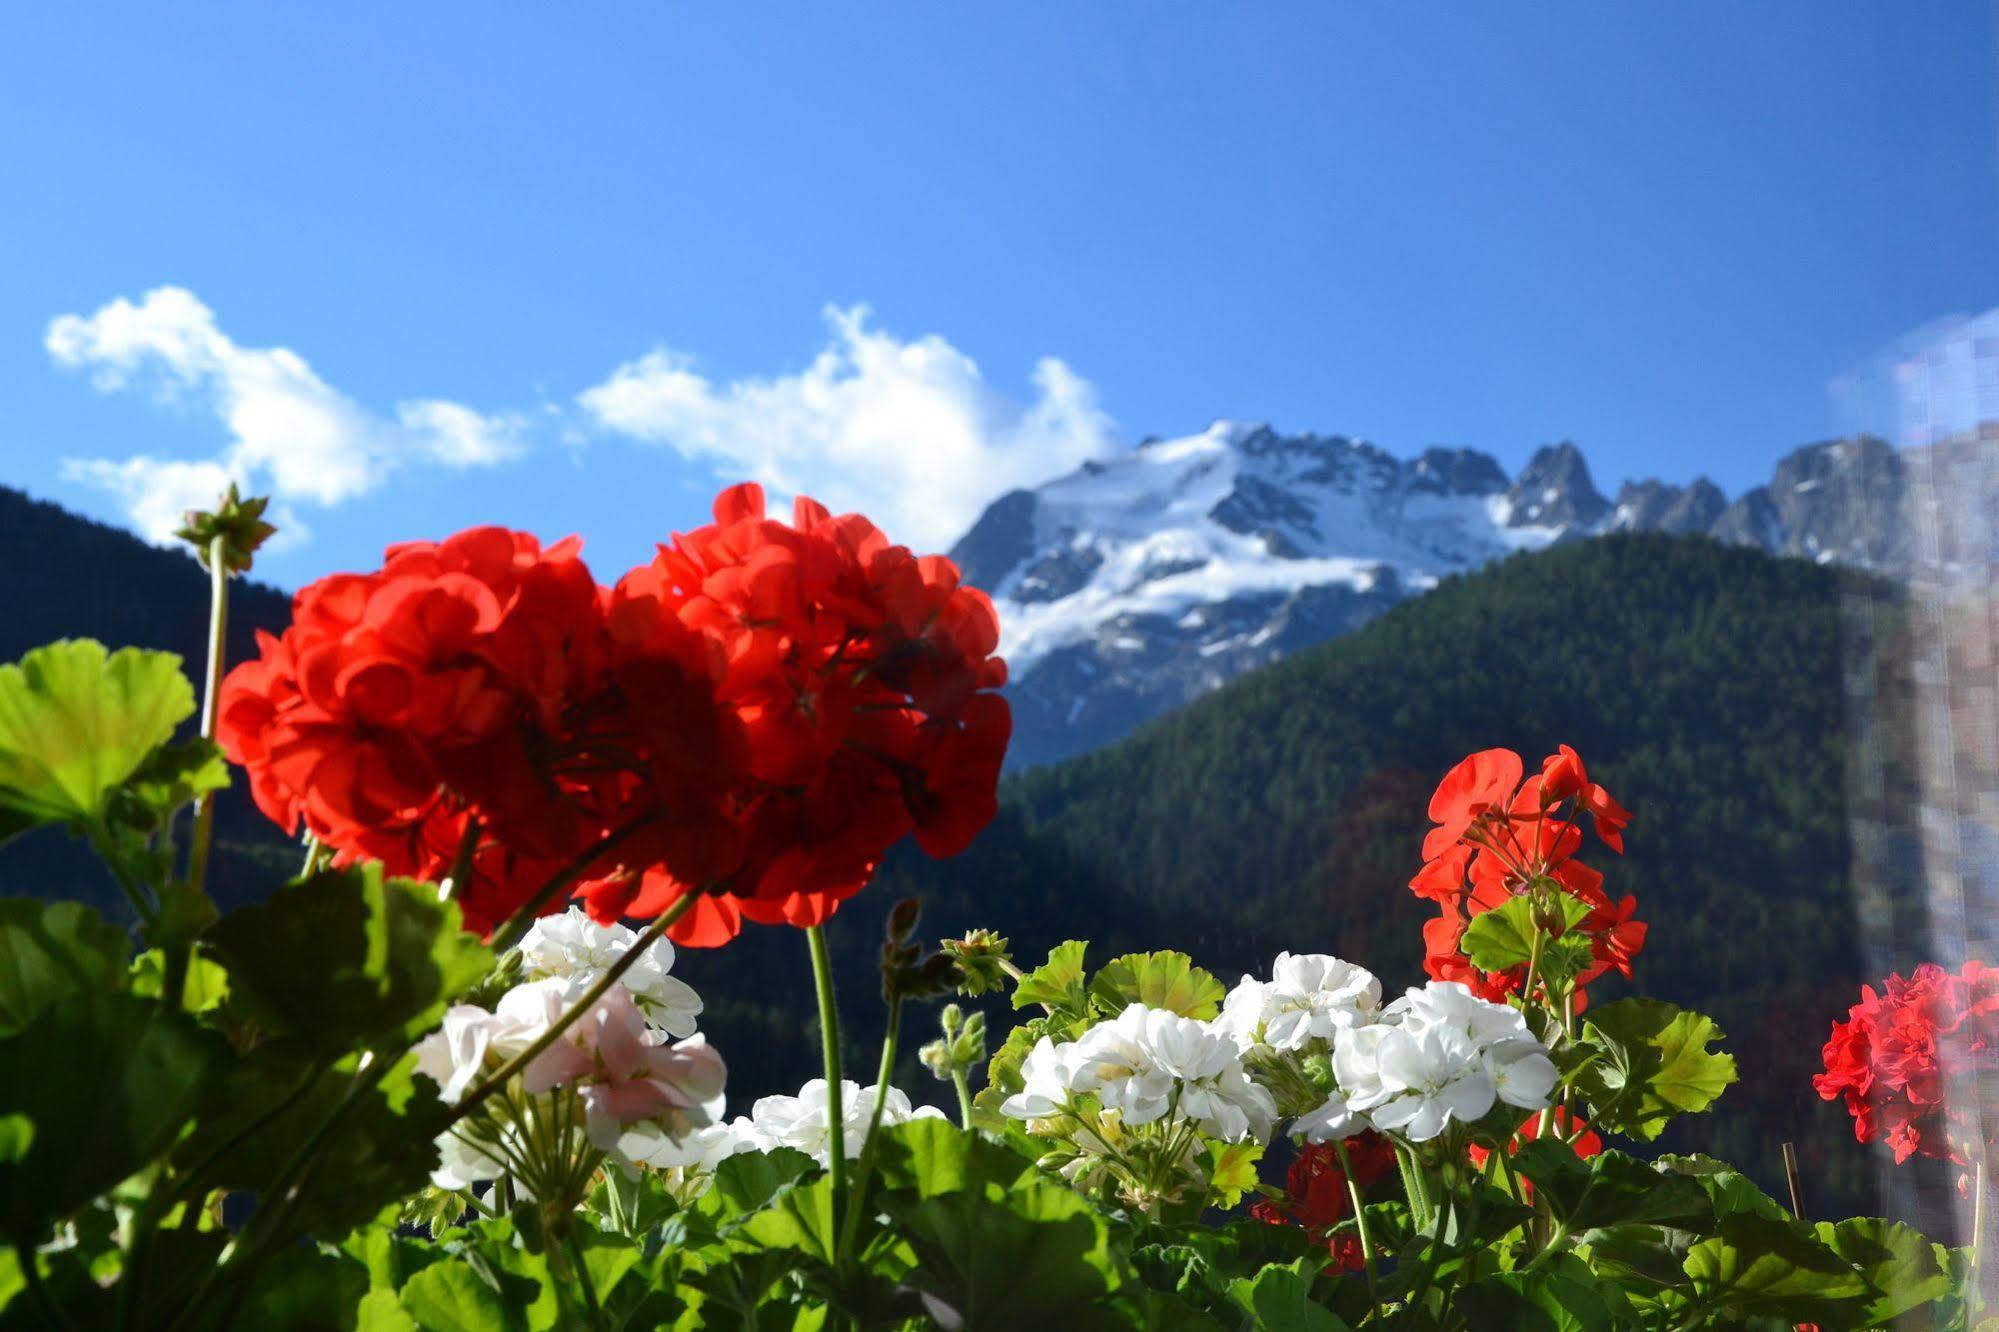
[[982, 959], [237, 521]]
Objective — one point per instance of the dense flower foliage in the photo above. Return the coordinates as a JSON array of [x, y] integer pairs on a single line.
[[747, 723], [755, 716], [1907, 1056], [1497, 838]]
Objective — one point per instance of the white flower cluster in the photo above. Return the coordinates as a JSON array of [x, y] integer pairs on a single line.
[[574, 947], [1308, 1001], [616, 1072], [1148, 1065], [1313, 1043], [1438, 1056]]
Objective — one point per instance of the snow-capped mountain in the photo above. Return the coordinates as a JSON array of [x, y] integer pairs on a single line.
[[1133, 585]]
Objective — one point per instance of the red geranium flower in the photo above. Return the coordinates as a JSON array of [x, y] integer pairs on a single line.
[[1316, 1195], [1901, 1053], [861, 680], [758, 715], [1497, 837]]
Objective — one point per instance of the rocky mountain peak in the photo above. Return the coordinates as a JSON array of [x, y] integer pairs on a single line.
[[1554, 490]]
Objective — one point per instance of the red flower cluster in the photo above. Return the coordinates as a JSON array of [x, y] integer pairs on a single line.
[[1316, 1195], [861, 680], [758, 714], [1897, 1054], [1498, 837]]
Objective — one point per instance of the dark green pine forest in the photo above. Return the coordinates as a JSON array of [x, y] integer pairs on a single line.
[[1702, 684]]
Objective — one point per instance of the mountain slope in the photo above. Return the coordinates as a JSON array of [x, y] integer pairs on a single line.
[[1131, 586], [1701, 682]]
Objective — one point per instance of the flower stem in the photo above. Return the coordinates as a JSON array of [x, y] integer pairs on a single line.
[[1360, 1222], [852, 1224], [506, 1072], [1977, 1221], [959, 1081], [211, 701], [829, 1049]]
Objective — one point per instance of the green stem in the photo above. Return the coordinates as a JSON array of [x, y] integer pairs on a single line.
[[852, 1224], [829, 1049], [958, 1080], [517, 924], [507, 1071], [589, 1284], [211, 701], [1360, 1224], [1977, 1220]]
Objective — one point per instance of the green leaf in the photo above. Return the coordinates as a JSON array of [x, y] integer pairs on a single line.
[[1654, 1064], [451, 1296], [76, 722], [1232, 1171], [170, 779], [995, 1240], [272, 1099], [52, 949], [1729, 1190], [933, 1157], [1608, 1190], [17, 1135], [1503, 938], [1757, 1266], [1158, 980], [1279, 1298], [749, 1180], [1035, 1256], [348, 957], [206, 986], [1561, 1295], [1057, 984], [108, 1080], [801, 1219], [1898, 1261]]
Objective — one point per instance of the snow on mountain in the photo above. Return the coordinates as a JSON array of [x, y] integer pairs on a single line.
[[1134, 584], [1138, 583]]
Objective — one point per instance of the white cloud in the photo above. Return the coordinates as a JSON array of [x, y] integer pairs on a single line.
[[909, 433], [291, 434]]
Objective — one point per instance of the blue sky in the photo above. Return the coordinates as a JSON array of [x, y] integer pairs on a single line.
[[564, 266]]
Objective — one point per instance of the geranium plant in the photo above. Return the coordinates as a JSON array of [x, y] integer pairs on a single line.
[[436, 1080]]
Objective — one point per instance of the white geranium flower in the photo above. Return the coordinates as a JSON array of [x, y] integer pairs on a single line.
[[1115, 1060], [1214, 1091], [468, 1154], [1333, 1119], [454, 1054], [699, 1151], [1049, 1072], [1521, 1072], [1425, 1082], [1312, 996], [1309, 997], [1450, 1005], [801, 1122], [571, 946], [1244, 1011]]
